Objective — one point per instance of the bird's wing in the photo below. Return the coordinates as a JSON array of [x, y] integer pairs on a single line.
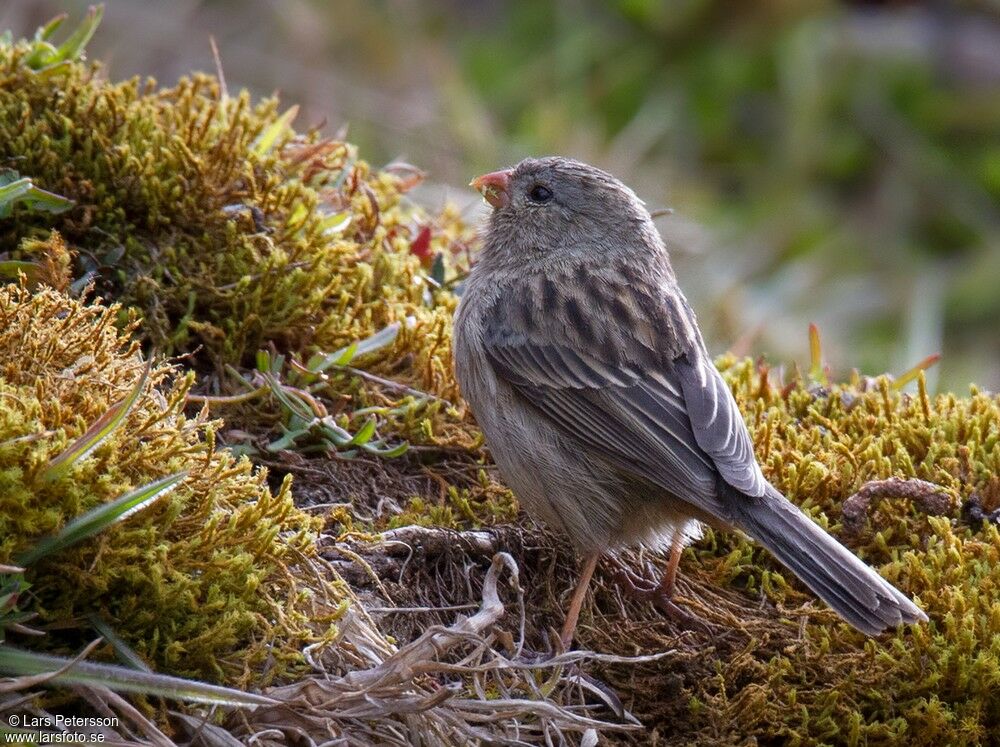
[[718, 424], [630, 382]]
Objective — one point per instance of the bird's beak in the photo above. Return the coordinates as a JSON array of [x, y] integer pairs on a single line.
[[494, 187]]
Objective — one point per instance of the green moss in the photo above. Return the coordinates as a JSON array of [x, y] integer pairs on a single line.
[[937, 683], [460, 508], [230, 232], [202, 582]]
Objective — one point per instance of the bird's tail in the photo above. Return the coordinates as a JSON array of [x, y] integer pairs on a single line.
[[837, 576]]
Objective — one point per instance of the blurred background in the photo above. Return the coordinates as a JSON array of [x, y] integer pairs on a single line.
[[828, 162]]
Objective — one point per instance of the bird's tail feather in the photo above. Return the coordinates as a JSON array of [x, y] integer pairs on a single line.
[[853, 589]]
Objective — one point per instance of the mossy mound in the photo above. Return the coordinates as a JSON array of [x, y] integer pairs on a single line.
[[226, 229], [790, 671], [203, 582]]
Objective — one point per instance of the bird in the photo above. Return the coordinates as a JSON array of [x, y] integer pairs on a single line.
[[584, 366]]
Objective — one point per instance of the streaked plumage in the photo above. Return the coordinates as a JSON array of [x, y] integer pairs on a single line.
[[584, 365]]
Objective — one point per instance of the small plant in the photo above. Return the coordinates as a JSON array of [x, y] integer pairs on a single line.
[[13, 586], [44, 57], [192, 582], [308, 425]]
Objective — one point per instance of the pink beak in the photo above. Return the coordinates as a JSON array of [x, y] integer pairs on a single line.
[[494, 187]]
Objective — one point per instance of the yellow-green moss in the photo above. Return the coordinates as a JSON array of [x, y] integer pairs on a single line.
[[454, 508], [931, 684], [224, 241], [203, 582]]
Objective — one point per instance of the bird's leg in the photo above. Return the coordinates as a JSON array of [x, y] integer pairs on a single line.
[[670, 574], [573, 613]]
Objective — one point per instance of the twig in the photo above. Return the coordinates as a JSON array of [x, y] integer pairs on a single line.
[[417, 610], [390, 384], [438, 541], [223, 90], [493, 704], [930, 498], [230, 400]]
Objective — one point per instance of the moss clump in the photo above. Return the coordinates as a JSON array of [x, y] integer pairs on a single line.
[[227, 230], [937, 683], [485, 504], [202, 582]]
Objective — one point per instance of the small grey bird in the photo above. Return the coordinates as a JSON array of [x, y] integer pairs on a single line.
[[584, 365]]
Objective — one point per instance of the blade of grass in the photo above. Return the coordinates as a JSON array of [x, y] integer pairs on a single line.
[[914, 372], [44, 32], [99, 431], [122, 650], [319, 362], [271, 133], [13, 191], [74, 45], [41, 199], [24, 190], [395, 451], [364, 435], [11, 267], [816, 370], [101, 517], [20, 663], [45, 55], [287, 397], [384, 337]]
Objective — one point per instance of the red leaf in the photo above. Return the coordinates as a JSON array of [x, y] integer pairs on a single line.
[[421, 245]]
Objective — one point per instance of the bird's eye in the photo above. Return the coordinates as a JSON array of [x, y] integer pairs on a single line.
[[540, 194]]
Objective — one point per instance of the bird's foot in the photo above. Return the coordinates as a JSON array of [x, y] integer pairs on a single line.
[[658, 593]]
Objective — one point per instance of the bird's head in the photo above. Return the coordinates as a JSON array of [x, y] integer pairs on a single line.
[[553, 206]]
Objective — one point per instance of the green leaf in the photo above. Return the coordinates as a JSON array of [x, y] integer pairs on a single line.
[[335, 433], [288, 440], [44, 55], [288, 399], [34, 198], [266, 140], [379, 340], [395, 451], [263, 361], [343, 357], [102, 517], [11, 192], [11, 267], [20, 663], [99, 431], [44, 32], [816, 370], [73, 47], [364, 435], [347, 355], [41, 52], [438, 270], [335, 224], [122, 650]]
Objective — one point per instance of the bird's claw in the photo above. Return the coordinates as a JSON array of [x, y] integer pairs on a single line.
[[658, 595]]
